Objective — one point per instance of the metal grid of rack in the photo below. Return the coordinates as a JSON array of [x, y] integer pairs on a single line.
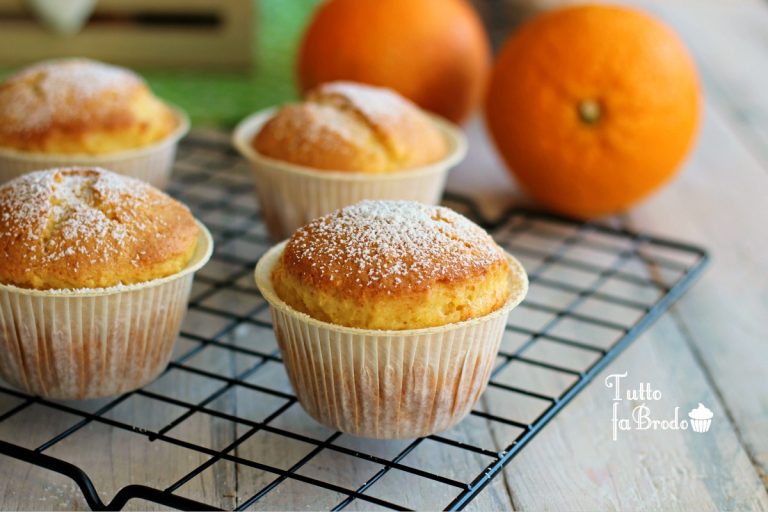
[[594, 289]]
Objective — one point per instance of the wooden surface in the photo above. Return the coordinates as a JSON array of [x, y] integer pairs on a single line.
[[711, 348]]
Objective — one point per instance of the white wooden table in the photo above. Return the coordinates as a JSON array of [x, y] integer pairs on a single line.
[[712, 347]]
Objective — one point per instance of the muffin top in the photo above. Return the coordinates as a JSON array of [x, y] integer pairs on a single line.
[[393, 265], [345, 126], [80, 106], [90, 228]]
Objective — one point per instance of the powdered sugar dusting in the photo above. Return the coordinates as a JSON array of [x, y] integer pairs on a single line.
[[55, 91], [391, 245], [62, 213], [374, 103], [303, 128]]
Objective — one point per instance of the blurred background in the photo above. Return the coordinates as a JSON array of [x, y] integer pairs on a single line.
[[220, 60], [217, 59]]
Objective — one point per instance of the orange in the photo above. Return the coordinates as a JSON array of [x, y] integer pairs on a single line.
[[434, 52], [593, 107]]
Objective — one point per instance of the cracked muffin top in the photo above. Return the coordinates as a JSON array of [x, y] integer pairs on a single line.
[[393, 265], [80, 106], [90, 228], [345, 126]]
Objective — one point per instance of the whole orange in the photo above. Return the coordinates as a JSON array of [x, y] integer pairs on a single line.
[[434, 52], [593, 107]]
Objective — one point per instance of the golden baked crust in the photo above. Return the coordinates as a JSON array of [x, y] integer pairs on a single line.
[[344, 126], [392, 265], [80, 106], [90, 228]]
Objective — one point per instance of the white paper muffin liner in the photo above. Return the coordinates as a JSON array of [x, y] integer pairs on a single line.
[[292, 195], [700, 426], [386, 384], [78, 344], [152, 164]]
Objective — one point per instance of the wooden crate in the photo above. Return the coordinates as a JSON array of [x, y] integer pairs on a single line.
[[164, 34]]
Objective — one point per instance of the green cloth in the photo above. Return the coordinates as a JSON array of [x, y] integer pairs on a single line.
[[222, 99]]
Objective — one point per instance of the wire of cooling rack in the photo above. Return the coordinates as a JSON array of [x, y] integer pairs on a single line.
[[594, 289]]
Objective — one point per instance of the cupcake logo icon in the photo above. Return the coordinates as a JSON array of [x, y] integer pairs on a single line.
[[701, 418]]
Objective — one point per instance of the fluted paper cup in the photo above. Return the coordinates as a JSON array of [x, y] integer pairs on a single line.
[[387, 384], [701, 425], [291, 195], [152, 163], [89, 343]]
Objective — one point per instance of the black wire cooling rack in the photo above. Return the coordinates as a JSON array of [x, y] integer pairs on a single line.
[[222, 419]]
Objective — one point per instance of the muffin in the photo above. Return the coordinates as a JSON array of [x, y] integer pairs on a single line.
[[96, 273], [83, 112], [350, 127], [386, 309], [346, 142], [392, 265]]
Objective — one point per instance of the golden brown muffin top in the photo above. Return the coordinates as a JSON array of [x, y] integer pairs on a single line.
[[345, 126], [90, 228], [67, 98], [389, 247]]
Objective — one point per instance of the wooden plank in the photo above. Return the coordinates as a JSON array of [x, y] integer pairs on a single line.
[[732, 58], [718, 201], [482, 176], [723, 191], [672, 474], [114, 458], [574, 464]]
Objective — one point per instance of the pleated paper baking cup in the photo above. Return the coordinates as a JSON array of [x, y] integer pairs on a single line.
[[152, 164], [77, 344], [701, 425], [292, 195], [387, 384]]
